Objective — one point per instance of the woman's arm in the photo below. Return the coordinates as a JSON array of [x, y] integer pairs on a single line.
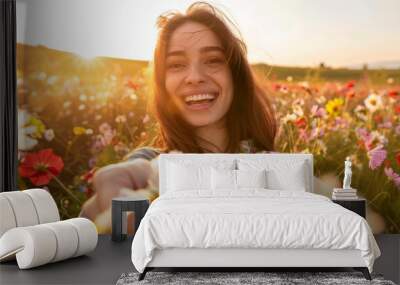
[[109, 180], [132, 174]]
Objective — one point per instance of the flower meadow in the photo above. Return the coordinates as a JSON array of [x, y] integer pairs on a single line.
[[76, 116]]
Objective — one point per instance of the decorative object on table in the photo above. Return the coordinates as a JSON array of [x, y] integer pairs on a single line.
[[31, 231], [215, 278], [120, 206], [345, 193], [347, 174], [358, 205]]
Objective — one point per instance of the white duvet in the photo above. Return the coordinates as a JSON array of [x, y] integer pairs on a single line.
[[251, 218]]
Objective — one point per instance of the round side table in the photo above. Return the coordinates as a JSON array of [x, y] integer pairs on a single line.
[[120, 206]]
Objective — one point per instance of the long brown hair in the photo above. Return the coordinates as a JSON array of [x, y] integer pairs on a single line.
[[250, 116]]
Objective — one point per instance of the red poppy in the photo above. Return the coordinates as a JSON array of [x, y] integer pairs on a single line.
[[397, 109], [88, 176], [89, 192], [132, 85], [114, 141], [361, 144], [277, 86], [378, 118], [350, 84], [393, 93], [301, 122], [351, 94], [398, 158], [40, 167]]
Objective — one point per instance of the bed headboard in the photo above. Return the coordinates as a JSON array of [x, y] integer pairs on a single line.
[[196, 158]]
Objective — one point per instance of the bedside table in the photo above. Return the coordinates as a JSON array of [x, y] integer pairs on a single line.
[[120, 206], [357, 205]]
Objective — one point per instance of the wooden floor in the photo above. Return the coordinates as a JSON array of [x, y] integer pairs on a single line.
[[110, 259]]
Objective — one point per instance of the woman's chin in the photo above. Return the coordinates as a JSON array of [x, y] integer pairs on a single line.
[[198, 124], [201, 122]]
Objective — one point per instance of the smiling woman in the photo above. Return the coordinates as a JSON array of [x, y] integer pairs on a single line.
[[204, 86], [206, 99]]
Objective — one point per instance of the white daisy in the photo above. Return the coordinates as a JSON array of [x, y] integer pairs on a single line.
[[373, 102], [25, 141]]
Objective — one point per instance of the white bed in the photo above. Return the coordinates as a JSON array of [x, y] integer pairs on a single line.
[[272, 226]]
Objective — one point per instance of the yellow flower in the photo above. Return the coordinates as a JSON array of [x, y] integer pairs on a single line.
[[333, 106], [79, 131], [38, 124]]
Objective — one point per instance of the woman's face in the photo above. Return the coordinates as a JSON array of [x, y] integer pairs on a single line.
[[198, 77]]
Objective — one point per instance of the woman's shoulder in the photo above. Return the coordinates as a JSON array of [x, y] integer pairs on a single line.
[[145, 152]]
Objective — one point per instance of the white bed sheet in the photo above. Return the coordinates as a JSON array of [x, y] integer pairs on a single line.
[[250, 218]]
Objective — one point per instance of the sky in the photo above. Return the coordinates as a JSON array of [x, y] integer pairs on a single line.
[[284, 32]]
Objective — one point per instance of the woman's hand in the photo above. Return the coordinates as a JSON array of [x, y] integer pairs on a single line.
[[110, 180]]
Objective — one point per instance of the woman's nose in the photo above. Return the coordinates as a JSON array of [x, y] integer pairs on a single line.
[[195, 75]]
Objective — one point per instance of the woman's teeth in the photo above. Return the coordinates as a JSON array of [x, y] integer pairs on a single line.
[[193, 99]]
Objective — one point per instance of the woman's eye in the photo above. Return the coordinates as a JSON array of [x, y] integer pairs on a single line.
[[214, 61], [175, 66]]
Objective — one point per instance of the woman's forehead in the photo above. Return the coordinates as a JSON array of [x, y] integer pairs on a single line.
[[192, 36]]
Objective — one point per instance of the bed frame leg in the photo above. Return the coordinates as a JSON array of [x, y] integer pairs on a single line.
[[364, 271], [143, 274]]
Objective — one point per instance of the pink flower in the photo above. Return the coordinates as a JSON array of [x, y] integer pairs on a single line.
[[146, 119], [108, 137], [97, 144], [366, 137], [362, 132], [316, 133], [385, 125], [393, 176], [340, 123], [92, 162], [397, 130], [104, 128], [317, 111], [303, 135], [376, 157]]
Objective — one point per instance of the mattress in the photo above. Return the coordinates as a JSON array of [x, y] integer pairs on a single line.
[[250, 219]]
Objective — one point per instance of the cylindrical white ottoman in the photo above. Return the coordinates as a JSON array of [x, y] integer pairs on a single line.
[[40, 244], [26, 208], [31, 230]]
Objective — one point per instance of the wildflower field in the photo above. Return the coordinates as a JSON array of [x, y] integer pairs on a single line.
[[77, 115]]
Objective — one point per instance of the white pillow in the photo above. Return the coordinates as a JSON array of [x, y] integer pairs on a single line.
[[282, 174], [236, 179], [188, 174], [223, 179], [251, 178], [181, 177], [294, 180]]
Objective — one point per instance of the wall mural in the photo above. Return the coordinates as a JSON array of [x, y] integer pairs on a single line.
[[78, 115]]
